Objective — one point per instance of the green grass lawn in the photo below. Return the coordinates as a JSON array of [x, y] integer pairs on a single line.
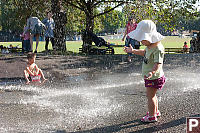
[[168, 42]]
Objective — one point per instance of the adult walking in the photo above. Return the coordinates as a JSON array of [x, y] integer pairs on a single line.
[[49, 35], [130, 26], [35, 26]]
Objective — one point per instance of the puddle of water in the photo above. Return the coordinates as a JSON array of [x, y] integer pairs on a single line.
[[93, 92], [91, 97]]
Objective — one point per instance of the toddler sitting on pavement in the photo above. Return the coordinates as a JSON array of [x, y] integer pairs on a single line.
[[32, 72]]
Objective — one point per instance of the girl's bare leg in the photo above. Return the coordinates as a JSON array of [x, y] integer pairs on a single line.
[[42, 75], [156, 99], [26, 77], [152, 101]]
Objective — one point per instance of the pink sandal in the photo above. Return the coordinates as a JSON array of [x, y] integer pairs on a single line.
[[149, 119], [158, 114]]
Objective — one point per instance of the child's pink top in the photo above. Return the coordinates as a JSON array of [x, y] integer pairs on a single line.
[[25, 35], [185, 46], [130, 27]]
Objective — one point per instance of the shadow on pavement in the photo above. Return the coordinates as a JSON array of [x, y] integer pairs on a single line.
[[132, 124], [170, 124], [108, 129]]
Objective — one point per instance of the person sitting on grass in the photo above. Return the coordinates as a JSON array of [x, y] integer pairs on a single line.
[[32, 72], [99, 41]]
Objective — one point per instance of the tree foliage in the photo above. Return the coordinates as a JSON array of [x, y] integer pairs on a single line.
[[14, 12], [168, 13], [113, 21]]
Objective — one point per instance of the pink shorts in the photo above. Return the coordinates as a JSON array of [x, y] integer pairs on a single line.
[[156, 83], [36, 78]]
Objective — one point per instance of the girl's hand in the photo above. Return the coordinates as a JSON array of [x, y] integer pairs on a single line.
[[150, 74], [128, 49]]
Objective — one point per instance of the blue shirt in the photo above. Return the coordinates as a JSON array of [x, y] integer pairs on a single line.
[[50, 25]]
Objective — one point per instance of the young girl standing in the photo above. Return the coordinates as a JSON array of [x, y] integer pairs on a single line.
[[152, 71]]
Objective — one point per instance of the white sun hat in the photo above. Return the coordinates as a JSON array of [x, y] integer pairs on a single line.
[[146, 30]]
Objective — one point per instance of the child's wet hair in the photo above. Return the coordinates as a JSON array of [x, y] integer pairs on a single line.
[[31, 55]]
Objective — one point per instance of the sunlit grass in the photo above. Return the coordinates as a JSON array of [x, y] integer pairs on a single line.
[[168, 42]]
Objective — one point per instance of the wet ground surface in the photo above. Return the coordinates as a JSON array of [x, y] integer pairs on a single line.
[[97, 94]]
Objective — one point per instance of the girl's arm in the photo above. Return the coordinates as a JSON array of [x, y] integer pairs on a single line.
[[155, 68], [138, 51], [37, 69], [134, 51], [29, 71]]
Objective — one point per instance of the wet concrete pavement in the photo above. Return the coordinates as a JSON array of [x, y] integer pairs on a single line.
[[112, 101]]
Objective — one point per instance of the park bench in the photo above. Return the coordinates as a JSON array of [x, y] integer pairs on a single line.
[[15, 50], [106, 50], [94, 50], [175, 50], [117, 45], [167, 50], [10, 50]]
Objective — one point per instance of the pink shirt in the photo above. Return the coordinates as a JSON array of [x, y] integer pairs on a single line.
[[130, 27], [25, 35], [185, 46]]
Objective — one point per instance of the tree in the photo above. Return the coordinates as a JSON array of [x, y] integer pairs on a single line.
[[161, 11], [166, 12], [113, 21], [88, 7], [14, 12], [60, 25]]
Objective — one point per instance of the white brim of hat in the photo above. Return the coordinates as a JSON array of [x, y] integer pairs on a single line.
[[152, 37]]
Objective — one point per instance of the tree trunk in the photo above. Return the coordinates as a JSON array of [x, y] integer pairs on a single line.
[[60, 20], [86, 35]]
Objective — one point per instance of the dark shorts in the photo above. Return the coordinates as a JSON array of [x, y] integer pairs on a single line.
[[156, 83], [38, 30]]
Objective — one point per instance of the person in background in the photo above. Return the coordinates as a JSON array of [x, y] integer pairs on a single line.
[[152, 70], [26, 46], [131, 26], [35, 26], [49, 35], [185, 48]]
